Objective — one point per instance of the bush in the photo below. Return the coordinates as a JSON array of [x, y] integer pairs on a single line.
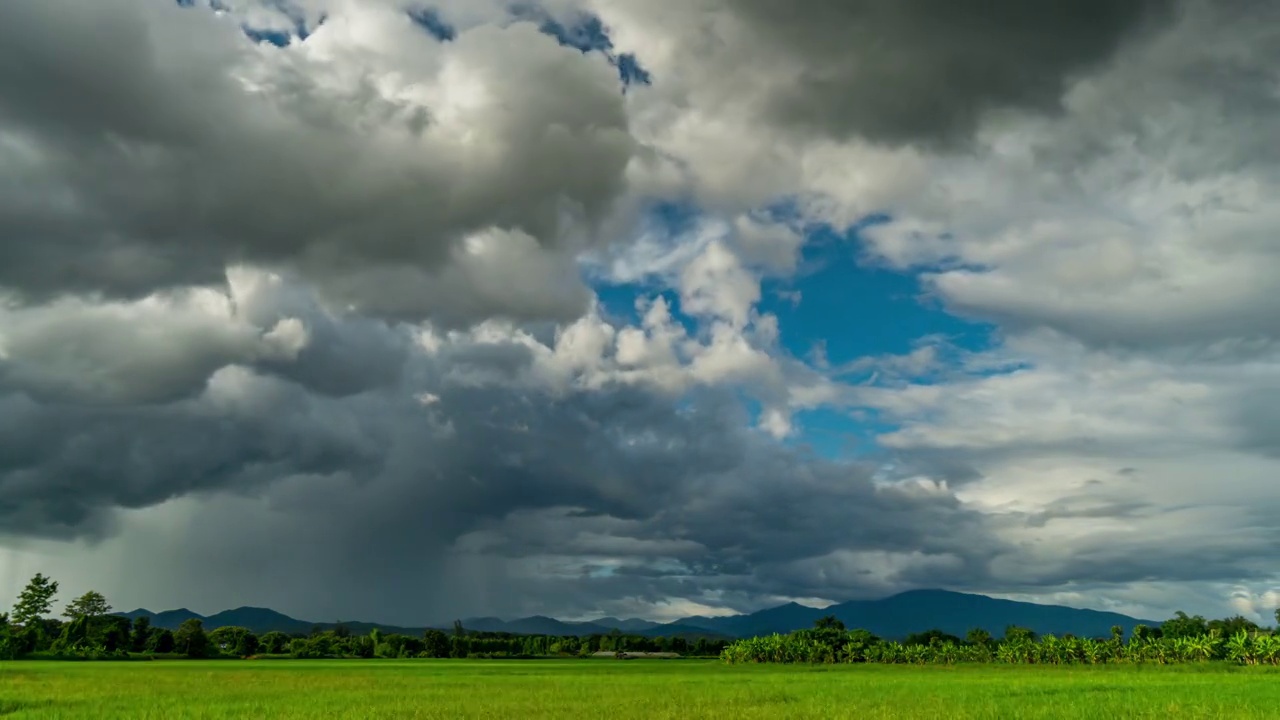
[[1018, 648]]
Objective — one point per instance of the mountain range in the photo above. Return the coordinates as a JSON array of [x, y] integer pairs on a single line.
[[891, 617]]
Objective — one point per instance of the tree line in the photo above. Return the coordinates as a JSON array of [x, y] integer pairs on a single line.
[[90, 631], [1180, 639]]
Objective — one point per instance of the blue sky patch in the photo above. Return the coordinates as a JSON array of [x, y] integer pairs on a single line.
[[586, 33], [839, 434], [630, 71], [274, 36], [429, 19], [279, 38], [854, 310], [837, 309]]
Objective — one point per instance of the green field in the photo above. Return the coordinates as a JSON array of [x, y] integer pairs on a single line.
[[631, 689]]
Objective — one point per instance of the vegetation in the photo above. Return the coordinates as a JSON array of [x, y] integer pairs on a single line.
[[625, 691], [1181, 639], [91, 605], [90, 633], [35, 600]]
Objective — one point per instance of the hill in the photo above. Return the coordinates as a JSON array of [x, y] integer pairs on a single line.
[[917, 610], [893, 617], [257, 620]]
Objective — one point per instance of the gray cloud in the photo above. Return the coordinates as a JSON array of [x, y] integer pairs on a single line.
[[66, 466], [148, 147], [258, 438], [452, 465], [1137, 220], [926, 70]]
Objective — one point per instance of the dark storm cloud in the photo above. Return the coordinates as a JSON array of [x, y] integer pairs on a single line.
[[390, 477], [902, 71], [63, 467], [145, 146], [456, 481], [328, 461]]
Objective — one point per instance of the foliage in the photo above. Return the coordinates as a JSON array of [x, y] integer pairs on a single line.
[[10, 647], [190, 639], [930, 637], [1014, 633], [1183, 626], [1232, 626], [160, 641], [94, 634], [232, 640], [979, 637], [1019, 648], [273, 643], [35, 600], [435, 643], [141, 632], [91, 604]]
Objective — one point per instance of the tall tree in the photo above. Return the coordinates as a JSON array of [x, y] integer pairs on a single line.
[[274, 642], [229, 637], [978, 636], [436, 643], [141, 631], [190, 639], [1232, 626], [75, 635], [829, 622], [113, 632], [160, 641], [35, 600], [1016, 633], [1182, 625], [89, 605]]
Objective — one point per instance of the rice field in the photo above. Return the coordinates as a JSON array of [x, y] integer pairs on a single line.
[[647, 689]]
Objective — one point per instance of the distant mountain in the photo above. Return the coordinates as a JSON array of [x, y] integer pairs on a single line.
[[536, 625], [483, 624], [171, 619], [257, 620], [918, 610], [628, 625], [140, 612], [688, 632], [781, 619], [893, 617]]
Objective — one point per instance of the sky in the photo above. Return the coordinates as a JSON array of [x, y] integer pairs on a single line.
[[407, 311]]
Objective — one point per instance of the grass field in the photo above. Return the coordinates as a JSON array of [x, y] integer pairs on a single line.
[[612, 689]]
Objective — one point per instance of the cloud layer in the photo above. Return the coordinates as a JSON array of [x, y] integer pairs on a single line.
[[147, 148], [344, 314]]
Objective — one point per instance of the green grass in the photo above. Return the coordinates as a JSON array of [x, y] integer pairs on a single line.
[[635, 689]]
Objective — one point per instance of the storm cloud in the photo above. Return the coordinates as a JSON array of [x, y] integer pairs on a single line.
[[926, 70], [405, 325], [468, 447], [147, 147]]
